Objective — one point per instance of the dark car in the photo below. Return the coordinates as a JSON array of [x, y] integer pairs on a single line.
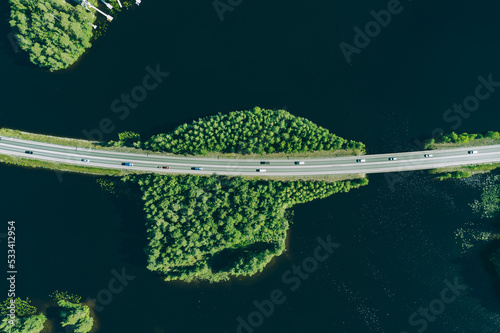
[[194, 168], [28, 152], [265, 162], [163, 167]]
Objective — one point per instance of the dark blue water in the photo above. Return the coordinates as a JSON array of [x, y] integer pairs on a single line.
[[397, 238]]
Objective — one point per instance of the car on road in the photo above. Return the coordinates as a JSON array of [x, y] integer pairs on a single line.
[[261, 170], [472, 151], [360, 160], [28, 152], [85, 160], [428, 155], [127, 164], [265, 162], [194, 168], [299, 163], [163, 167], [393, 159]]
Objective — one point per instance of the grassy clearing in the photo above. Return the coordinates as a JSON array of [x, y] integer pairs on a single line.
[[463, 171], [326, 178], [69, 141], [284, 156], [472, 143], [47, 138], [31, 163]]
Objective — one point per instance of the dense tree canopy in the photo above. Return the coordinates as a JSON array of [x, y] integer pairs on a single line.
[[64, 295], [76, 316], [254, 131], [461, 138], [54, 33], [214, 227], [30, 324], [26, 319], [23, 307]]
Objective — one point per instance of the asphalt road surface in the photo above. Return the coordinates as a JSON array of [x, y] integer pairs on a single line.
[[378, 163]]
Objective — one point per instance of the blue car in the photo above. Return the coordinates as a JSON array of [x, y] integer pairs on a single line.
[[193, 168], [128, 164]]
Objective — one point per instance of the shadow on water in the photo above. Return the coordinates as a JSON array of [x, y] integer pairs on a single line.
[[129, 206], [52, 313]]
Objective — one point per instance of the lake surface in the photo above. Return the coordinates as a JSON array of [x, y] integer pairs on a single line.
[[397, 237]]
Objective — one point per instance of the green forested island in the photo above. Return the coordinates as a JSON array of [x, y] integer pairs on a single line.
[[54, 33], [27, 320], [211, 228], [216, 227], [256, 131], [75, 316], [71, 314]]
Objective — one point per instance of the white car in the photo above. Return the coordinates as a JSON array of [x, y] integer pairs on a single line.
[[359, 160], [261, 170], [299, 163], [85, 160], [472, 151], [393, 159], [428, 155]]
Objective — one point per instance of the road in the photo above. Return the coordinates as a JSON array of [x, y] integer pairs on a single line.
[[376, 163]]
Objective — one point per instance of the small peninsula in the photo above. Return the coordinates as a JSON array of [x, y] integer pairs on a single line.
[[217, 227], [56, 33]]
